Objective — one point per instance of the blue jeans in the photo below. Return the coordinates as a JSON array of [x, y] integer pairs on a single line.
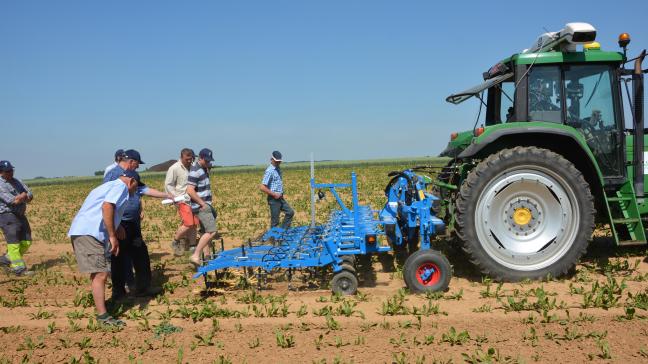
[[277, 205]]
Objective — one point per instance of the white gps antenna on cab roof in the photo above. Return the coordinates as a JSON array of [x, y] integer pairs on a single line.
[[564, 40]]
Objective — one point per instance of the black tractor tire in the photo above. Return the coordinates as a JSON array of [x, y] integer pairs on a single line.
[[556, 201], [344, 282], [432, 261]]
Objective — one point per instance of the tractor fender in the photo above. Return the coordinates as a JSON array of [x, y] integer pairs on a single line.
[[565, 141]]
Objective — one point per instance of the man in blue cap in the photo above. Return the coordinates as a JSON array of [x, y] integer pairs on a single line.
[[14, 196], [94, 235], [134, 250], [119, 154], [199, 189], [272, 185]]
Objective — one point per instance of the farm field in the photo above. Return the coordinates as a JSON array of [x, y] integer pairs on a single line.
[[598, 313]]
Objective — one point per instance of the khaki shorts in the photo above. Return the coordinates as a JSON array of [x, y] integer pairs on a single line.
[[90, 254], [207, 218]]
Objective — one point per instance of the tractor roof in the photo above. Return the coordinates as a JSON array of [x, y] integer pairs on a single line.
[[592, 55]]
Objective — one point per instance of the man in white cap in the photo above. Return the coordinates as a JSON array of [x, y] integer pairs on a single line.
[[272, 185]]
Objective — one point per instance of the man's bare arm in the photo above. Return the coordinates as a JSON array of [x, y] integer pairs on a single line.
[[266, 190], [158, 194], [191, 191]]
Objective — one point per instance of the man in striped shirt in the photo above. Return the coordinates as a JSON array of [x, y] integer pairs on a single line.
[[272, 185], [199, 189]]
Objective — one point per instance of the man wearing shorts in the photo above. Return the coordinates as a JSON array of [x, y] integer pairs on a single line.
[[199, 189], [175, 184], [14, 196], [94, 235]]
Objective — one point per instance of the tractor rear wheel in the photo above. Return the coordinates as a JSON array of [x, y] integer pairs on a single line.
[[525, 212]]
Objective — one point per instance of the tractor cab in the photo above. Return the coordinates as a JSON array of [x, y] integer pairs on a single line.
[[552, 82]]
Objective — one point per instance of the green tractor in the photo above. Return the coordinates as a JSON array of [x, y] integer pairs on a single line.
[[524, 190]]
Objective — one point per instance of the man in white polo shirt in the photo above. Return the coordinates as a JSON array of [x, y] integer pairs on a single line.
[[175, 184]]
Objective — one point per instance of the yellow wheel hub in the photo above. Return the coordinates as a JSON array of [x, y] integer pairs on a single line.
[[522, 216]]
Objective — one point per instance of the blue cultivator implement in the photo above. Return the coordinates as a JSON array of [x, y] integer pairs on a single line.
[[405, 220]]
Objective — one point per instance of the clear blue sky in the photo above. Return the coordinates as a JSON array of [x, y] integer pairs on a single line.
[[343, 79]]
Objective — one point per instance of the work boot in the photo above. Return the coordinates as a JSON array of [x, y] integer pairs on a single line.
[[22, 272], [4, 260]]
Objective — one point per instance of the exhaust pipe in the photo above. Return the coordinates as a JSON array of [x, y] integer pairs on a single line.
[[638, 96]]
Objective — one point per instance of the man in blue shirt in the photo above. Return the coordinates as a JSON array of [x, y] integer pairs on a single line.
[[272, 185], [94, 235], [118, 158], [134, 250]]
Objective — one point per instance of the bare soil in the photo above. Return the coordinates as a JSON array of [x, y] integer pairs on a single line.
[[466, 326]]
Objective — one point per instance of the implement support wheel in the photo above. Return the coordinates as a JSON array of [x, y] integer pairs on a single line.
[[344, 282], [427, 270]]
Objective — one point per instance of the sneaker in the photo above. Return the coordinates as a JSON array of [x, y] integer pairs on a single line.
[[178, 250], [195, 261], [22, 272], [4, 260], [108, 320]]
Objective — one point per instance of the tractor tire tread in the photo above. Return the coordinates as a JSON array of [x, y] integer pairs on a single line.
[[470, 190]]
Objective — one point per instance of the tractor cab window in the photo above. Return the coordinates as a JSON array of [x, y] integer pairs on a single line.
[[500, 103], [506, 103], [545, 94], [590, 108]]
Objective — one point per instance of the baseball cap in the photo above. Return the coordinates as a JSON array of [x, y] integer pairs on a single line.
[[134, 175], [276, 155], [119, 153], [133, 154], [206, 154], [5, 166]]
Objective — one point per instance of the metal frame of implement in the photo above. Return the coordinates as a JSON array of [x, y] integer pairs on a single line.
[[348, 232]]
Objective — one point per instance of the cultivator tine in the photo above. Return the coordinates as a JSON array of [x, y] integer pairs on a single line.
[[289, 273]]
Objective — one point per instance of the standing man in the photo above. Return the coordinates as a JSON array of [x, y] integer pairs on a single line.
[[94, 234], [14, 196], [175, 184], [199, 189], [272, 185], [118, 157], [134, 251]]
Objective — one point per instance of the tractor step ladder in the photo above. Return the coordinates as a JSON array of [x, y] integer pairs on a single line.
[[624, 212]]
